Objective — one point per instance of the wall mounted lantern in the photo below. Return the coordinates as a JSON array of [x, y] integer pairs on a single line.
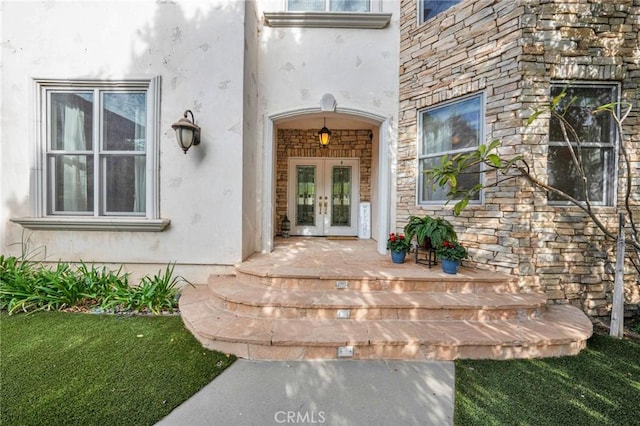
[[187, 132], [324, 135]]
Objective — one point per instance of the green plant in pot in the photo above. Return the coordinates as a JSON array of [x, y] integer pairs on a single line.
[[429, 231]]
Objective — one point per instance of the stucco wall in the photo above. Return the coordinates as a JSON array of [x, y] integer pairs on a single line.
[[214, 57], [358, 66], [251, 164], [511, 51], [197, 48]]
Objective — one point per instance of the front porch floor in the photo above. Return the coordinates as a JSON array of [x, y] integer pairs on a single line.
[[317, 298]]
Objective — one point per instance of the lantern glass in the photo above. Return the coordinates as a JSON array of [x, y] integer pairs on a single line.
[[187, 132], [184, 136], [324, 136]]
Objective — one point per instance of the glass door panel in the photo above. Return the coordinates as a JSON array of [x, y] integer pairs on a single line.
[[341, 196], [323, 196], [305, 196]]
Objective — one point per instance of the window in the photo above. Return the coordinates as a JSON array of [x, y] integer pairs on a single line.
[[97, 153], [328, 5], [427, 9], [452, 128], [597, 134], [355, 14]]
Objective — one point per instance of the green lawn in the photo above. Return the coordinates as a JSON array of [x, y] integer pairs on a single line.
[[600, 386], [61, 368]]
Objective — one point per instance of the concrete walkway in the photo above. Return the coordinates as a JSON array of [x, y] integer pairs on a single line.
[[323, 392]]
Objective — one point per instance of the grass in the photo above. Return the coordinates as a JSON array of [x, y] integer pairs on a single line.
[[62, 368], [599, 386]]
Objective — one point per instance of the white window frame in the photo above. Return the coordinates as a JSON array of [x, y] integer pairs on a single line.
[[421, 18], [373, 19], [42, 215], [421, 156], [610, 182], [327, 7]]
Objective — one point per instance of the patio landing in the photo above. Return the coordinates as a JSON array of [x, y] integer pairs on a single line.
[[292, 304]]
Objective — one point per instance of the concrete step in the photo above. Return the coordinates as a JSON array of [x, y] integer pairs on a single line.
[[248, 299], [405, 277], [560, 330]]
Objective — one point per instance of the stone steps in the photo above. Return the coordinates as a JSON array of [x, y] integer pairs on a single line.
[[319, 299], [247, 299], [387, 278], [561, 330]]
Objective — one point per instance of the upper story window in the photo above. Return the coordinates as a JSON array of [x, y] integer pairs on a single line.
[[448, 129], [597, 136], [97, 145], [328, 5], [355, 14], [427, 9]]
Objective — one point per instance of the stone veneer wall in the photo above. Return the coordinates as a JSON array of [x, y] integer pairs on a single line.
[[304, 143], [511, 51]]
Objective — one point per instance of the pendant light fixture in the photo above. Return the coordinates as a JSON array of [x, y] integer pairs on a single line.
[[324, 135]]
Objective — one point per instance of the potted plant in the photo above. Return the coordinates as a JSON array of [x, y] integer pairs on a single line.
[[399, 245], [451, 254], [430, 232]]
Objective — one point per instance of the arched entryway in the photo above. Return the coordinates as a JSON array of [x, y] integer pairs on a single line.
[[360, 152]]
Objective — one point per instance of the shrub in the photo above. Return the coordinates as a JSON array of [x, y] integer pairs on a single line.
[[27, 286]]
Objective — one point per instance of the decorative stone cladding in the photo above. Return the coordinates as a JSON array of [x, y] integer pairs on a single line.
[[304, 143], [512, 51]]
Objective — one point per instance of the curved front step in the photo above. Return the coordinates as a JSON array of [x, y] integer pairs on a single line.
[[247, 299], [562, 330], [400, 278]]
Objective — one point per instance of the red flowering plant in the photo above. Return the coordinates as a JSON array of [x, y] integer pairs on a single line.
[[452, 251], [398, 242]]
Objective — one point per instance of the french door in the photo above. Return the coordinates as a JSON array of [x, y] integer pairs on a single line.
[[323, 196]]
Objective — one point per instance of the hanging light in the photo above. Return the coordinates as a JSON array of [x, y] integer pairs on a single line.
[[187, 132], [324, 135]]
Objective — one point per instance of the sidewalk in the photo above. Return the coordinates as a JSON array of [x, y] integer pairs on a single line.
[[323, 392]]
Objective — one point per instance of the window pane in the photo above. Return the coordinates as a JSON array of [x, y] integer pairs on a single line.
[[305, 5], [454, 127], [71, 121], [72, 183], [125, 119], [349, 5], [125, 181], [465, 181], [451, 127], [431, 8], [341, 196], [563, 173], [305, 196], [582, 101]]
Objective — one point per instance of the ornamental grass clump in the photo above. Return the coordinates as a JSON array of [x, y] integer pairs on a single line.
[[398, 243], [451, 251], [28, 286]]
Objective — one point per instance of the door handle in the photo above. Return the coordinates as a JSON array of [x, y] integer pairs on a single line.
[[326, 205]]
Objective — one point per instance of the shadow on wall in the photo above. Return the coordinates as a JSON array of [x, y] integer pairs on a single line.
[[174, 42]]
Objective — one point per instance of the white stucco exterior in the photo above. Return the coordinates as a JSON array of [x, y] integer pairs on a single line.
[[238, 77]]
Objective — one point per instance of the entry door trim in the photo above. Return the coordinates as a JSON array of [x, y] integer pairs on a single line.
[[324, 166]]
